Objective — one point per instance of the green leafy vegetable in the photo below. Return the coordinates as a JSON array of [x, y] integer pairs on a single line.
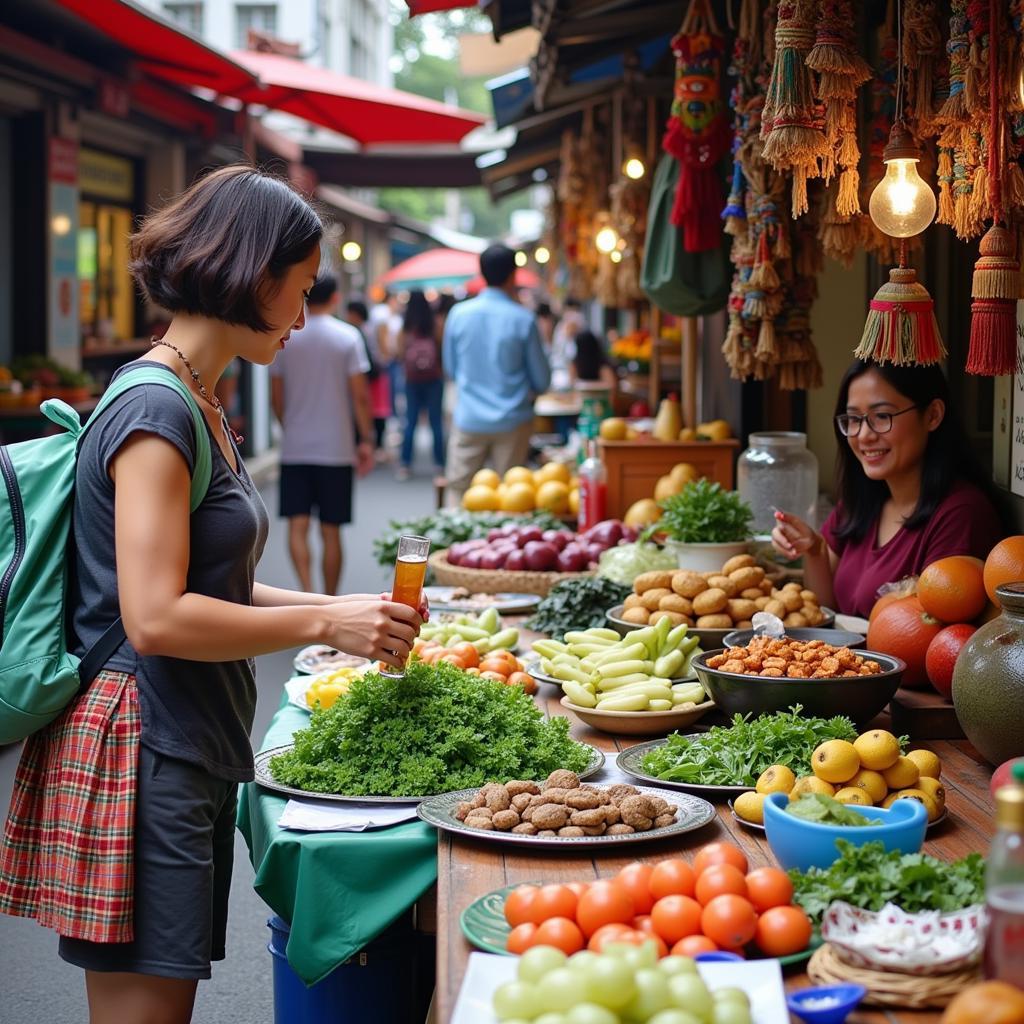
[[867, 876], [449, 525], [704, 513], [736, 755], [625, 562], [826, 810], [435, 730], [577, 604]]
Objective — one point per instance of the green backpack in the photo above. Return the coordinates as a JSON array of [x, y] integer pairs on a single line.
[[39, 677]]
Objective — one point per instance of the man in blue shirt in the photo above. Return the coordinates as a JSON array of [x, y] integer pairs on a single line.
[[493, 351]]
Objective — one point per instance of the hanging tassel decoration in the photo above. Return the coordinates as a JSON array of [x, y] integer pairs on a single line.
[[954, 110], [922, 49], [996, 284], [901, 327]]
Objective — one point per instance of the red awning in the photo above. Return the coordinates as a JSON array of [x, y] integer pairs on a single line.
[[427, 6], [370, 114], [165, 51], [435, 268]]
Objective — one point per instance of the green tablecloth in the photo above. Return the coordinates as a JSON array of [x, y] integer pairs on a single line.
[[338, 890]]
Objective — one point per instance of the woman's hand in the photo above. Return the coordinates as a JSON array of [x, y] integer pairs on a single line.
[[792, 537], [374, 628]]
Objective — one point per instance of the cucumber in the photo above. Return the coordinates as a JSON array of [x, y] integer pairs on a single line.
[[624, 668], [489, 620], [660, 705], [604, 637], [626, 702], [579, 694], [669, 664], [507, 638]]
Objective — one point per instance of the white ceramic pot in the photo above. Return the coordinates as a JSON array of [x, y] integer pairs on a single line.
[[705, 557]]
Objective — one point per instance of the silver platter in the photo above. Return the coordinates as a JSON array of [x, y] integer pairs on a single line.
[[629, 762]]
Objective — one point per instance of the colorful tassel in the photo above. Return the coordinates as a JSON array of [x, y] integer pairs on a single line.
[[901, 327]]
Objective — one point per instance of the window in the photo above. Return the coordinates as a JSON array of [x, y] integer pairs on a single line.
[[260, 17], [188, 15]]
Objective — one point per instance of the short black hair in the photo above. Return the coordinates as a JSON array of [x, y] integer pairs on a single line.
[[497, 264], [358, 307], [543, 309], [217, 249], [325, 287]]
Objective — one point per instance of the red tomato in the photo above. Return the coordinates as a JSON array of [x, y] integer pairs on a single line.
[[605, 902], [635, 879], [676, 916], [692, 945], [719, 879], [720, 853], [605, 934], [729, 920], [553, 901], [671, 878], [769, 887], [521, 938], [523, 679], [468, 653], [783, 930], [517, 904], [561, 933]]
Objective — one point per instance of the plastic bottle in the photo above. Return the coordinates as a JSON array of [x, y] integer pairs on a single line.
[[1004, 886], [593, 489]]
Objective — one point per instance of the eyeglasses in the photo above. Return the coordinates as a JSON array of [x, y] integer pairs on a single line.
[[878, 422]]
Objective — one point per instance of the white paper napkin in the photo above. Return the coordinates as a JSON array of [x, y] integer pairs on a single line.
[[325, 816]]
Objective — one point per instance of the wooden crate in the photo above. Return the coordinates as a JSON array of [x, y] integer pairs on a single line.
[[635, 466]]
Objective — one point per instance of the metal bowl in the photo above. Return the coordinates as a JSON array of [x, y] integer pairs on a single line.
[[835, 637], [857, 697]]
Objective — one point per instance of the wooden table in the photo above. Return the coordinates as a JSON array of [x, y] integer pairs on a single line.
[[467, 870]]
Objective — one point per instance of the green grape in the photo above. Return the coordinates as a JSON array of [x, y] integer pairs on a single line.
[[550, 1018], [731, 995], [652, 994], [561, 989], [516, 999], [609, 982], [672, 965], [590, 1013], [674, 1016], [583, 960], [688, 992], [538, 961], [729, 1012]]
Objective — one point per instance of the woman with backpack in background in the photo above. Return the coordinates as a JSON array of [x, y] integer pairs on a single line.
[[424, 379], [121, 828]]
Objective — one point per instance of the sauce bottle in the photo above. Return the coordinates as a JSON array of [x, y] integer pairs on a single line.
[[593, 479], [1004, 886]]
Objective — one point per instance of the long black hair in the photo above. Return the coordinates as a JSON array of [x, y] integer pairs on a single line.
[[419, 317], [947, 458], [590, 356]]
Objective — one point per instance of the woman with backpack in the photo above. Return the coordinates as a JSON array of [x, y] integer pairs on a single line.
[[121, 828], [424, 379]]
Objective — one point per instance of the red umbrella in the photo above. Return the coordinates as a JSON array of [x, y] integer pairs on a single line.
[[434, 268], [426, 6]]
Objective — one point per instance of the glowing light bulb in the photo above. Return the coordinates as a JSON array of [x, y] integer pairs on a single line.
[[520, 259], [902, 204], [634, 168], [542, 254], [606, 239], [616, 256], [351, 251]]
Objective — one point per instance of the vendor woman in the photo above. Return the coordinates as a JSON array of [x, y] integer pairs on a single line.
[[910, 489]]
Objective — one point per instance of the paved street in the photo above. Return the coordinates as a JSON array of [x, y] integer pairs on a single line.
[[38, 986]]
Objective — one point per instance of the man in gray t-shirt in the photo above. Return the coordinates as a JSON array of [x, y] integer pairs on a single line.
[[319, 395]]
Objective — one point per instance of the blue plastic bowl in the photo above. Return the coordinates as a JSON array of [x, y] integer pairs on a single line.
[[718, 956], [802, 844], [848, 997]]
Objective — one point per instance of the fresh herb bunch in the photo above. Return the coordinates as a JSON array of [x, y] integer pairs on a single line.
[[435, 730], [869, 877], [704, 513], [827, 810], [449, 525], [736, 755], [577, 604]]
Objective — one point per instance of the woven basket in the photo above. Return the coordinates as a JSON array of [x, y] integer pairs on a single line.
[[885, 988], [496, 581]]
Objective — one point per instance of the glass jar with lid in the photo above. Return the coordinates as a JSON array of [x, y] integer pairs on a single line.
[[778, 471]]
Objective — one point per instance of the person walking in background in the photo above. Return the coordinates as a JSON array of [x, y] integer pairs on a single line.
[[494, 354], [379, 385], [386, 325], [590, 363], [318, 388], [424, 379]]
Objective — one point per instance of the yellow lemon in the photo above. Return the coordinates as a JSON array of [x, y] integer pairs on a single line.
[[552, 471], [877, 749], [664, 488], [902, 775], [811, 784], [518, 497], [326, 694], [485, 478], [683, 473], [518, 475], [553, 495], [642, 513], [481, 499], [750, 807], [835, 761], [928, 764], [854, 795], [933, 788], [931, 805], [613, 429], [574, 502], [776, 779], [687, 434], [872, 783]]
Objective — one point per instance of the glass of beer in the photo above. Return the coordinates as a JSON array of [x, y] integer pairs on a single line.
[[407, 589]]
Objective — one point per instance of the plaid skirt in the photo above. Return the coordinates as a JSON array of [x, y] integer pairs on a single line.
[[67, 852]]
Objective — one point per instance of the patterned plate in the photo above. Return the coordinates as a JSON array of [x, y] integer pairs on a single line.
[[484, 926], [693, 812], [629, 762], [267, 781]]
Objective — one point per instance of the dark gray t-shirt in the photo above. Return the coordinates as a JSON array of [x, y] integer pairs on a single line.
[[199, 711]]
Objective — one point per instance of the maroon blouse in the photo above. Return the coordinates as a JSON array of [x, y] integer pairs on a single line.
[[964, 524]]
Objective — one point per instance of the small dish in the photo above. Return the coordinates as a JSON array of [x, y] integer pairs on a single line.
[[719, 956], [825, 1004], [639, 723]]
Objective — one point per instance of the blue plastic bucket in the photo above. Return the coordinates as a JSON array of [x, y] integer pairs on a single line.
[[374, 985]]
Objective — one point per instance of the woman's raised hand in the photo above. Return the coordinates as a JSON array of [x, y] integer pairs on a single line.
[[375, 628], [792, 537]]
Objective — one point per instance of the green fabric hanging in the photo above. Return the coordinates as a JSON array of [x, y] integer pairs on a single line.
[[680, 282]]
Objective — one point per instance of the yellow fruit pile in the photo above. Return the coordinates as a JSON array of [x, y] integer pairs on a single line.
[[327, 688], [870, 772], [552, 487]]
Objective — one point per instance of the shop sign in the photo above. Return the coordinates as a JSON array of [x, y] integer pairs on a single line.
[[105, 176], [63, 239]]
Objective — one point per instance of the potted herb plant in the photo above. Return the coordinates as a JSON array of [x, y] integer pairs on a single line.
[[704, 525]]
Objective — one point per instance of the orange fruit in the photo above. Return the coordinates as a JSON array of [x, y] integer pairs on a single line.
[[1005, 564], [729, 920], [497, 665], [719, 853], [903, 629], [906, 588], [953, 589]]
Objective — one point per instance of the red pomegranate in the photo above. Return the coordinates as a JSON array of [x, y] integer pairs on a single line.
[[903, 629], [942, 654]]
